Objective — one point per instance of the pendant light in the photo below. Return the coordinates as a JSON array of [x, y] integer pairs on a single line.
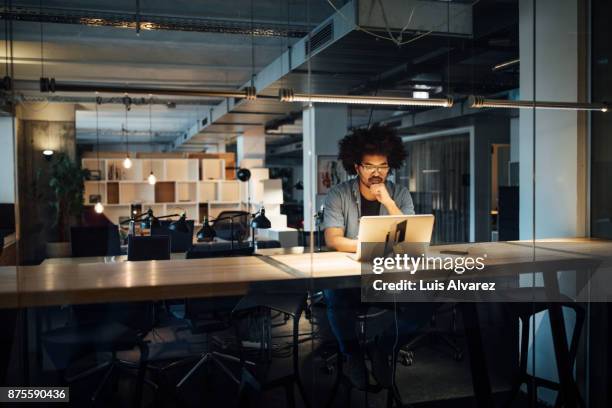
[[151, 179], [48, 151], [99, 208], [127, 162]]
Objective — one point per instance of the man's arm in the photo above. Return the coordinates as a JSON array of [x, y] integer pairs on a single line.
[[335, 239], [382, 195]]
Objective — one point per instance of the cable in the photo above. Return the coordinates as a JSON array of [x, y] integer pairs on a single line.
[[252, 46], [42, 54], [395, 343]]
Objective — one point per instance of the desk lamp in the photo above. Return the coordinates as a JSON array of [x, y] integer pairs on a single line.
[[180, 225], [206, 233], [260, 221]]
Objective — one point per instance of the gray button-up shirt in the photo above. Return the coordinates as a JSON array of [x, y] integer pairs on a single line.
[[343, 205]]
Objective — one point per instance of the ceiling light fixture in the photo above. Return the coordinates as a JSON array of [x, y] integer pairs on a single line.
[[480, 102], [127, 163], [99, 208], [249, 93], [151, 178], [287, 95]]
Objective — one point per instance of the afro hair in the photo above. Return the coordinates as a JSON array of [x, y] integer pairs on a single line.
[[382, 140]]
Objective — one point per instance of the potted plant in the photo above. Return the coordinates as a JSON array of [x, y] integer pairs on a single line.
[[66, 184]]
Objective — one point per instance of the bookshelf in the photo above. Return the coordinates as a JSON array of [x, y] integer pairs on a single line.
[[196, 186]]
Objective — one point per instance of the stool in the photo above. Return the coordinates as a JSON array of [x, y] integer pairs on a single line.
[[524, 311], [393, 395]]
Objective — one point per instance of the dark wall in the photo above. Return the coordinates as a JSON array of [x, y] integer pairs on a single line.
[[601, 124]]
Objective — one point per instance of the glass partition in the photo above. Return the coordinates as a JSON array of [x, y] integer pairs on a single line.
[[272, 203]]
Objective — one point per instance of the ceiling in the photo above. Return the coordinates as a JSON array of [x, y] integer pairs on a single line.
[[207, 45]]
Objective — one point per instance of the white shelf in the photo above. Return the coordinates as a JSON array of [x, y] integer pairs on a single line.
[[213, 169], [198, 181]]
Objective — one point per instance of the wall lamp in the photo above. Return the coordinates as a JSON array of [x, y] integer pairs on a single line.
[[287, 95], [480, 102]]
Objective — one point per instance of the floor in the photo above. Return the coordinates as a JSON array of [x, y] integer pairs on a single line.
[[435, 379]]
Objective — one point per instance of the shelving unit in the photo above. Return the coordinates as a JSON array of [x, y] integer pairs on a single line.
[[196, 186]]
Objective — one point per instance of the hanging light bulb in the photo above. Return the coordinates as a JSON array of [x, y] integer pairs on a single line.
[[127, 163], [99, 208], [152, 179]]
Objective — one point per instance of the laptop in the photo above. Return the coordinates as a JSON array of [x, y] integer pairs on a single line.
[[382, 235]]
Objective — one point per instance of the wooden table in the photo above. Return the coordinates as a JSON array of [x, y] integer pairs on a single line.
[[68, 282], [82, 280]]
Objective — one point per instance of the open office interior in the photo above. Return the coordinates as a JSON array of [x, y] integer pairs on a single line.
[[306, 203]]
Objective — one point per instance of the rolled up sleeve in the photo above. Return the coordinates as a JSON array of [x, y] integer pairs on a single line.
[[404, 201], [333, 216]]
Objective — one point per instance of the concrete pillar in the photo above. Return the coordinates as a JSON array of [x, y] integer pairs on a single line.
[[559, 162], [7, 158], [251, 148], [323, 127]]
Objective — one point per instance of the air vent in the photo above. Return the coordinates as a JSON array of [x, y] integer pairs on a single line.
[[320, 38]]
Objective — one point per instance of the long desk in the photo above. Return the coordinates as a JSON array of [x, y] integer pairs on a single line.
[[77, 280], [72, 282]]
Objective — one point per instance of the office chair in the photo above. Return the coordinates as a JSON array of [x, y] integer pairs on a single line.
[[434, 335], [207, 317], [179, 241], [95, 241], [260, 304], [393, 395], [148, 248], [232, 222], [102, 328]]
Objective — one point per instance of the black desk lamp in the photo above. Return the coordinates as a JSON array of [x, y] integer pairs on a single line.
[[260, 221], [206, 233], [149, 220], [180, 225]]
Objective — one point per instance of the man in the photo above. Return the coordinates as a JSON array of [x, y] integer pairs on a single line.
[[370, 155]]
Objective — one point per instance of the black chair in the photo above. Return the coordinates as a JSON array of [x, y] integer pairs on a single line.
[[148, 248], [232, 225], [95, 241], [207, 317], [179, 241], [256, 376], [435, 335], [102, 328]]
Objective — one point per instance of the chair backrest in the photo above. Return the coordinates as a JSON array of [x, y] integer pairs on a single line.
[[148, 248], [95, 241], [179, 241], [238, 225]]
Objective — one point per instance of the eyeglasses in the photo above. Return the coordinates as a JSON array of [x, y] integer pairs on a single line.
[[372, 168]]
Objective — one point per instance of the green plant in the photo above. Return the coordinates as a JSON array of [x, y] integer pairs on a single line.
[[66, 182]]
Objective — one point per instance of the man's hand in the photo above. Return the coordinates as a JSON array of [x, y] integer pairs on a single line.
[[382, 195]]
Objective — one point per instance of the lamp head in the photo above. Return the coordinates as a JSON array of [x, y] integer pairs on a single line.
[[261, 221], [243, 174], [150, 221], [206, 233], [180, 225], [48, 154]]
